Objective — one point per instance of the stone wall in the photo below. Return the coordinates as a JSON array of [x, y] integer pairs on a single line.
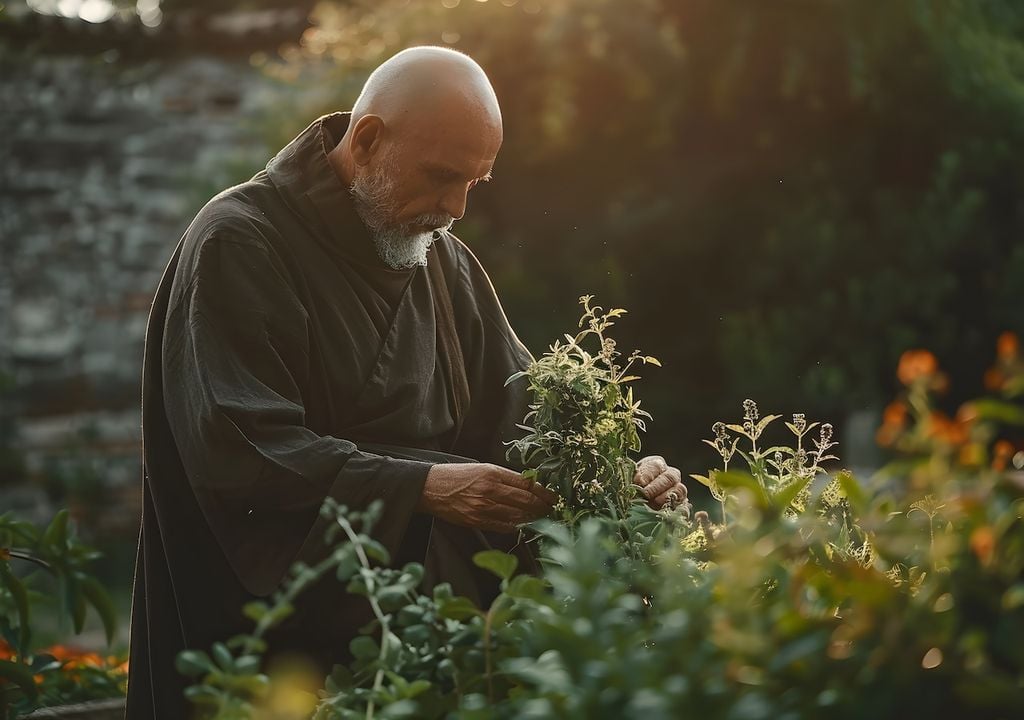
[[104, 164]]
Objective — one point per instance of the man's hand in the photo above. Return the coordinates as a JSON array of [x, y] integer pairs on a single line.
[[484, 496], [660, 483]]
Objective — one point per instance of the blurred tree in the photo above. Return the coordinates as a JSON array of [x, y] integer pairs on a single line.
[[786, 195], [12, 464]]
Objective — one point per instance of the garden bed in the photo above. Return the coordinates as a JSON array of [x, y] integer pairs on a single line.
[[95, 710]]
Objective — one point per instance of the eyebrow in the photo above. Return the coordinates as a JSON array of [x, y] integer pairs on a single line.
[[435, 167]]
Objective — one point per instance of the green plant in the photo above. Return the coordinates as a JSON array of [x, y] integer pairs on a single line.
[[783, 480], [583, 421], [55, 552], [813, 597]]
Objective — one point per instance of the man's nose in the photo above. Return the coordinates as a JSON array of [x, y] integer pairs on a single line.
[[453, 203]]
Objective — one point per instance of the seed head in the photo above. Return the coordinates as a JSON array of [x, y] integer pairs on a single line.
[[719, 430], [750, 412], [826, 433], [799, 422]]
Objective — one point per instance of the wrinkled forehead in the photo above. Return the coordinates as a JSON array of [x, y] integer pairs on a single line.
[[467, 139]]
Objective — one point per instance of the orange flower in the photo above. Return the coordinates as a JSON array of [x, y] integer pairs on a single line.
[[983, 543], [967, 413], [994, 379], [1007, 346], [894, 420], [942, 428], [887, 435], [915, 364], [1002, 451], [895, 413], [6, 652], [72, 657]]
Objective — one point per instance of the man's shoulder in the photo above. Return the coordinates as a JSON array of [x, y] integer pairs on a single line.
[[235, 224], [237, 214]]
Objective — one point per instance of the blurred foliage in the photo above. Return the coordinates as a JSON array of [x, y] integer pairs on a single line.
[[809, 599], [12, 463], [54, 568], [787, 194]]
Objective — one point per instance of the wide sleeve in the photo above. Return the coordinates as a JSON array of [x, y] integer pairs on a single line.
[[235, 362]]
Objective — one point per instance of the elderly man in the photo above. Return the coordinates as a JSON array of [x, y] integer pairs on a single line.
[[320, 332]]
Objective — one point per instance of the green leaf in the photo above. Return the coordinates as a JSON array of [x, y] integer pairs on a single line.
[[20, 675], [100, 600], [255, 610], [527, 587], [76, 603], [734, 479], [193, 663], [203, 695], [248, 664], [56, 533], [515, 376], [998, 410], [765, 421], [500, 563], [785, 496], [417, 687], [442, 592], [223, 657], [1014, 597], [852, 489], [457, 608], [364, 648], [376, 551], [17, 590], [279, 611], [392, 598]]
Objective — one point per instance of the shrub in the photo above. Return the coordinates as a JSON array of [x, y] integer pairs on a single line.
[[814, 596]]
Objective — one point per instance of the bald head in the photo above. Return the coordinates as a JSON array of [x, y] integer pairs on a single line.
[[424, 131], [422, 83]]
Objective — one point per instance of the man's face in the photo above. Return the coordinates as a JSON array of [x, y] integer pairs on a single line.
[[418, 184]]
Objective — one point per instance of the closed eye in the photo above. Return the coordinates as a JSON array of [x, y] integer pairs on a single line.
[[444, 176]]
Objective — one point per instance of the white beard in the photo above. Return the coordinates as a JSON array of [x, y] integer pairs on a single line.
[[397, 246], [400, 251]]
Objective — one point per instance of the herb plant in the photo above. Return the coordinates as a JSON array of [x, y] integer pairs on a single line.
[[584, 423]]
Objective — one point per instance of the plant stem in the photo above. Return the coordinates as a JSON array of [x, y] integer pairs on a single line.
[[385, 632], [487, 653], [725, 468], [931, 533]]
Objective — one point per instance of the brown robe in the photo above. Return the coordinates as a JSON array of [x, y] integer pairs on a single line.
[[286, 363]]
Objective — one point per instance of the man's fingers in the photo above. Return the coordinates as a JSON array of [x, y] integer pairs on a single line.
[[514, 497], [513, 479], [507, 516], [664, 482], [648, 468], [671, 497], [549, 497]]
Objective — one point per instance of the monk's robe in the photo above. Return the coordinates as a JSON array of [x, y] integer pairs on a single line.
[[286, 363]]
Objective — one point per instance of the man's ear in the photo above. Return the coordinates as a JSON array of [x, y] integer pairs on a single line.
[[366, 138]]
